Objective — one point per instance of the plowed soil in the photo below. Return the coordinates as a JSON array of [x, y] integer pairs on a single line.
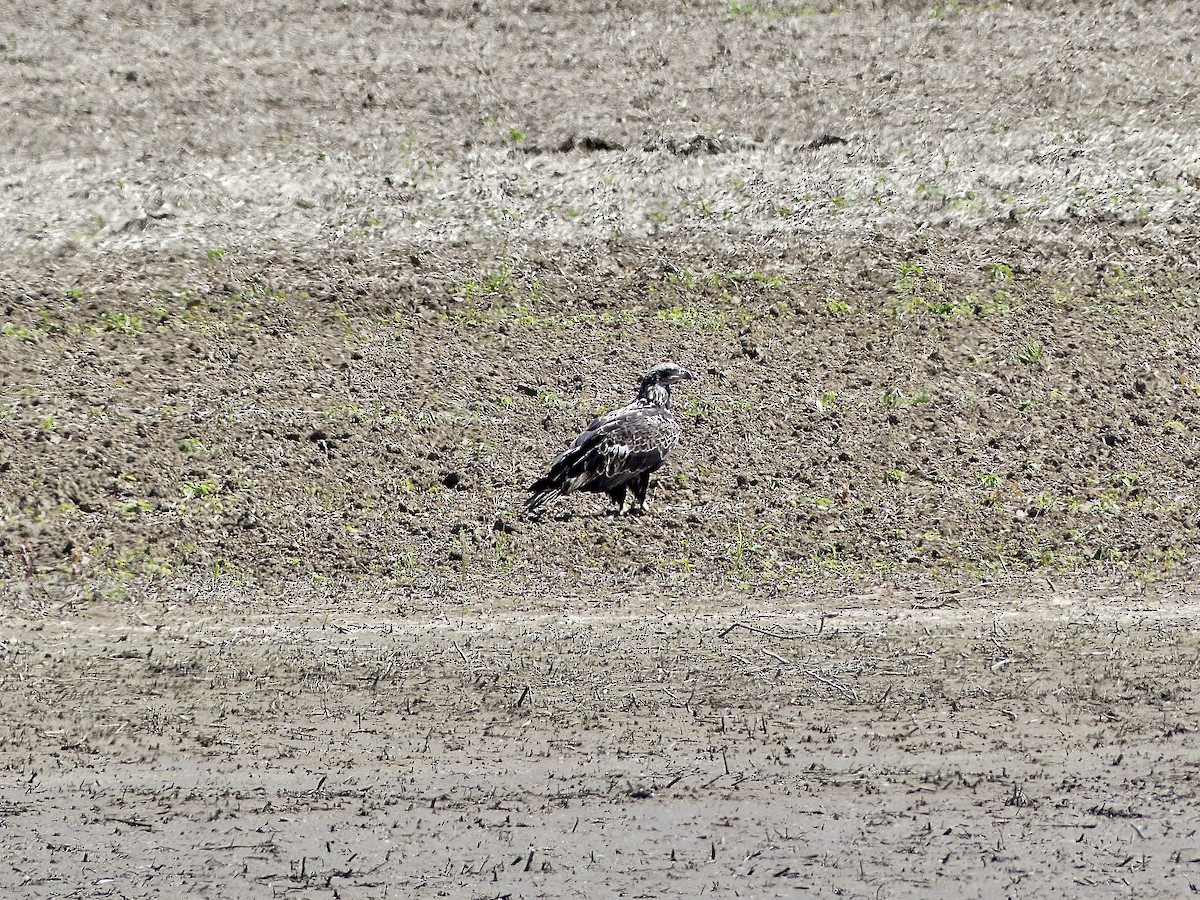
[[295, 302]]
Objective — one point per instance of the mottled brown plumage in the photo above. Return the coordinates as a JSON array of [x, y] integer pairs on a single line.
[[619, 450]]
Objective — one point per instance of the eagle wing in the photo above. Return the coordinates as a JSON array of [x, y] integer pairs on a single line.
[[615, 449]]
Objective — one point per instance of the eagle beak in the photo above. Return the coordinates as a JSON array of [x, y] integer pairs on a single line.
[[684, 375]]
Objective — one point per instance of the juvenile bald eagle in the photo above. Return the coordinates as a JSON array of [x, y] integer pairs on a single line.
[[620, 449]]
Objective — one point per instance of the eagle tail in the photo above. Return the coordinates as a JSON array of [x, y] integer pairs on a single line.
[[567, 474], [540, 493]]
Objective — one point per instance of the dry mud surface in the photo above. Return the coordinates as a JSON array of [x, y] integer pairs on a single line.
[[997, 741], [295, 301]]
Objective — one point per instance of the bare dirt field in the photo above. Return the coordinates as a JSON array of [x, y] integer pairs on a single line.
[[294, 303]]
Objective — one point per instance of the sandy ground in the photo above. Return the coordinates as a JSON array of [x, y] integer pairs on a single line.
[[294, 303], [1003, 741]]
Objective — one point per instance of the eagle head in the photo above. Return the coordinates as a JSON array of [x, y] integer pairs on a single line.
[[656, 384], [665, 373]]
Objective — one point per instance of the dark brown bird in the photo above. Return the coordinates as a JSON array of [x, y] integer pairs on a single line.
[[619, 450]]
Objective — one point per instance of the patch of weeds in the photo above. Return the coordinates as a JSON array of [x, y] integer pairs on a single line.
[[917, 291], [828, 401], [118, 323], [344, 411], [1120, 289], [993, 483], [492, 282], [132, 508], [895, 399], [747, 555], [222, 568], [515, 135], [215, 252], [460, 551], [255, 292], [818, 502], [522, 315], [1125, 480], [966, 201], [502, 549], [999, 271], [895, 476], [682, 565], [125, 480], [324, 495], [1161, 561], [191, 446], [779, 11], [1048, 500], [1030, 354], [682, 276], [836, 306], [128, 563], [339, 315], [194, 490], [694, 408], [10, 329], [693, 317]]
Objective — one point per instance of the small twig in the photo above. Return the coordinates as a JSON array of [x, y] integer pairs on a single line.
[[136, 823], [268, 844], [775, 634], [774, 656], [27, 559], [378, 676], [949, 601], [841, 688]]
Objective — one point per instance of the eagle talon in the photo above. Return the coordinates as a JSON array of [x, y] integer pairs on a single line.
[[619, 450]]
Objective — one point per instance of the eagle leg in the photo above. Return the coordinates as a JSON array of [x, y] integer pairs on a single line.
[[618, 497], [640, 485]]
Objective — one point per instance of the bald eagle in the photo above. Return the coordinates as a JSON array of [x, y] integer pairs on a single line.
[[620, 449]]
